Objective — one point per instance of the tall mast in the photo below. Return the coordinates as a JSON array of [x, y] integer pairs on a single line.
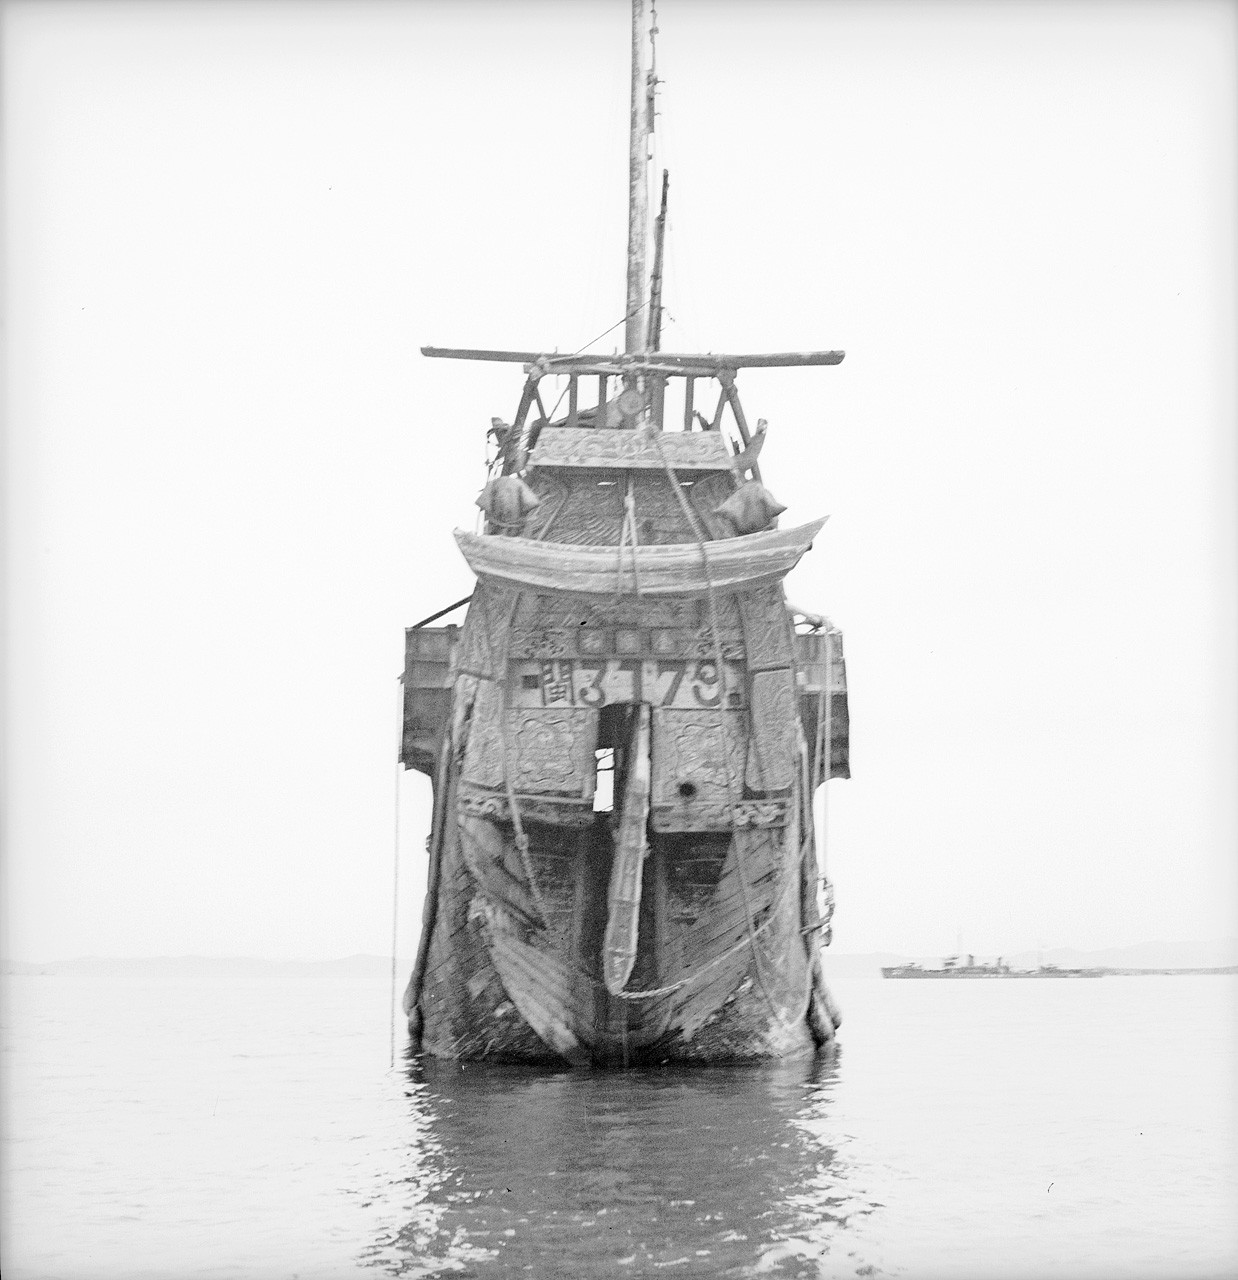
[[655, 281], [636, 326]]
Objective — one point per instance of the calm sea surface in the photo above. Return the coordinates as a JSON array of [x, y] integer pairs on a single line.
[[246, 1124]]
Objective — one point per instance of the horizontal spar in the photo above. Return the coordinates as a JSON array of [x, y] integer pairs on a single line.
[[656, 361], [467, 353]]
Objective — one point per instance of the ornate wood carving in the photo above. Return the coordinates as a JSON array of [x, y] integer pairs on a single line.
[[760, 813], [691, 818], [660, 518], [483, 755], [591, 507], [586, 447], [549, 627], [742, 815], [552, 609], [485, 625], [771, 750], [554, 493], [551, 751], [542, 642], [732, 644], [533, 809], [701, 752], [767, 627], [474, 649]]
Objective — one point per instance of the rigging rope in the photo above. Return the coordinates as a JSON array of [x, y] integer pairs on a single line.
[[626, 531], [612, 328]]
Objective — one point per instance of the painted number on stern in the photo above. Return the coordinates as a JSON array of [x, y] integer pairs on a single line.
[[662, 682]]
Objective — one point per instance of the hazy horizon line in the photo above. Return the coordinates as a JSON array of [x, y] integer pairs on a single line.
[[1230, 940]]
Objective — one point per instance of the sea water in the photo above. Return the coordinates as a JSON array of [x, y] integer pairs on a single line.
[[244, 1121]]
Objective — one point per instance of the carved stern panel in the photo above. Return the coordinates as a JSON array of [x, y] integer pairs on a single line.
[[547, 754], [770, 642], [485, 626], [483, 755], [698, 768], [551, 751], [583, 507], [771, 746], [768, 634]]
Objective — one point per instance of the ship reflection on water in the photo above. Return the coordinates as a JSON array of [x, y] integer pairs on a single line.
[[716, 1171]]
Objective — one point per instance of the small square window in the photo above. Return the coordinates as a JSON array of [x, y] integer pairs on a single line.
[[531, 682]]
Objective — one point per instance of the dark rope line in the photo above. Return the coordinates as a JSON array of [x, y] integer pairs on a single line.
[[441, 613]]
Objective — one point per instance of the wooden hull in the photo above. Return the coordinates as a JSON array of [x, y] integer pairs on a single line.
[[497, 985], [685, 929]]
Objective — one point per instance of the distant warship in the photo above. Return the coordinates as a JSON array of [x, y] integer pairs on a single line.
[[953, 967]]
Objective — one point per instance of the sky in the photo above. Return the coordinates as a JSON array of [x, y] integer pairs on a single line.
[[231, 479]]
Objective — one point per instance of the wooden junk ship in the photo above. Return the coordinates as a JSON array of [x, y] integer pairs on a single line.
[[626, 733]]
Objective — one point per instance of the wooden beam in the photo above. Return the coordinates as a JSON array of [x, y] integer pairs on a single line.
[[702, 364], [541, 404], [728, 390], [435, 616], [708, 363], [716, 424], [469, 353], [526, 399]]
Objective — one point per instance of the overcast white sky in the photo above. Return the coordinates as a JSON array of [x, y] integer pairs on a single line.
[[232, 480]]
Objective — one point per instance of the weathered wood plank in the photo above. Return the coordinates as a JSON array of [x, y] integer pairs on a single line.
[[635, 362], [624, 896], [628, 450]]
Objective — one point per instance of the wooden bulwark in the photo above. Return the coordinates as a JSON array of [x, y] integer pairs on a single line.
[[624, 450]]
